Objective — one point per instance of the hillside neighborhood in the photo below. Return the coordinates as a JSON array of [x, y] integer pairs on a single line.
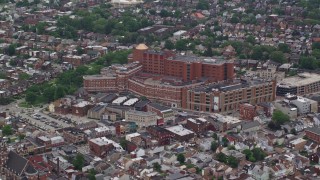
[[174, 90]]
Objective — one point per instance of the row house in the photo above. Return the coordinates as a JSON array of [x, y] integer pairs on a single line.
[[160, 134], [74, 135]]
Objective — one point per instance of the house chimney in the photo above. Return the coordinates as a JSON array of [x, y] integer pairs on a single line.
[[58, 168]]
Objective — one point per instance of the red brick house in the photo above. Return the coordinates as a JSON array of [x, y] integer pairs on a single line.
[[313, 134]]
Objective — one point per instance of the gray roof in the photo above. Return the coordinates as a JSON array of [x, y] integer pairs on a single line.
[[141, 104], [109, 98], [97, 108], [248, 125], [18, 164], [315, 130], [159, 107]]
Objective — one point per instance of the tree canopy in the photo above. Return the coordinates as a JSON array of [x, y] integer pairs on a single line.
[[230, 160], [7, 130], [278, 56], [278, 119], [78, 162], [254, 155], [214, 146], [181, 158]]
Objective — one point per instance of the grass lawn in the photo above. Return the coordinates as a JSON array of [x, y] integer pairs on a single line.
[[24, 105]]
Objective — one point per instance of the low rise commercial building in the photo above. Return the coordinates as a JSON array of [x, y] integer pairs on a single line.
[[301, 84], [141, 118], [96, 112], [102, 146], [197, 125], [303, 105], [73, 135], [81, 108], [298, 144], [166, 113], [180, 133], [313, 134], [223, 123], [160, 134]]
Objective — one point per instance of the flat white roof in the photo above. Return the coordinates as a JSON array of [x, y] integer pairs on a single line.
[[102, 129], [82, 104], [227, 119], [56, 138], [180, 32], [131, 101], [133, 135], [180, 130], [297, 141], [119, 100], [202, 119], [193, 120], [44, 138], [104, 141], [301, 79]]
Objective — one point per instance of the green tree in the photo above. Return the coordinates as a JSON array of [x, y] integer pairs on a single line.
[[233, 162], [99, 25], [181, 158], [3, 75], [49, 93], [279, 117], [215, 136], [257, 53], [40, 27], [214, 146], [59, 92], [251, 39], [5, 101], [252, 159], [152, 11], [169, 45], [203, 5], [164, 13], [11, 50], [21, 136], [208, 51], [123, 143], [181, 45], [308, 63], [316, 45], [225, 141], [234, 19], [258, 154], [80, 50], [31, 97], [78, 162], [278, 56], [157, 167], [221, 157], [284, 48], [24, 76], [248, 153], [7, 130], [91, 174], [316, 53], [13, 62]]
